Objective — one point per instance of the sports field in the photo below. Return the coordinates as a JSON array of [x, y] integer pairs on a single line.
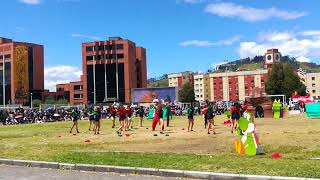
[[296, 138]]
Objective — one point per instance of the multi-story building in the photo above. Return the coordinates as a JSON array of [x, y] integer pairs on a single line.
[[23, 67], [312, 82], [179, 79], [202, 87], [111, 69], [234, 86]]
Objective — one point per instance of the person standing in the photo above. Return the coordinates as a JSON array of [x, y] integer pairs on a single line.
[[129, 117], [97, 117], [167, 111], [91, 119], [190, 112], [204, 114], [157, 118], [113, 112], [235, 115], [140, 113], [75, 118], [209, 116], [122, 116]]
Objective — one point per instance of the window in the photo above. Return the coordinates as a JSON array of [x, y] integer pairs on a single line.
[[89, 48], [313, 78], [108, 47], [120, 56], [313, 85], [252, 82], [89, 58], [262, 81], [119, 46], [100, 48], [99, 57], [314, 91], [6, 56], [78, 96], [246, 88], [77, 87]]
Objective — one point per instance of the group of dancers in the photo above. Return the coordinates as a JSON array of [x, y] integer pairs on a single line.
[[159, 112]]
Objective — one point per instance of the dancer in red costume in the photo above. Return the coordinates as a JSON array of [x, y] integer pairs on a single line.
[[157, 117]]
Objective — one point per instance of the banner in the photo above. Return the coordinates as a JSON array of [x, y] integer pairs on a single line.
[[21, 80], [145, 95]]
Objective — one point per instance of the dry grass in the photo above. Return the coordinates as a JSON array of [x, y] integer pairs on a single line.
[[297, 138]]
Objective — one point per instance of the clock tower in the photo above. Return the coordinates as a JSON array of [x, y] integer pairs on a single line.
[[270, 57]]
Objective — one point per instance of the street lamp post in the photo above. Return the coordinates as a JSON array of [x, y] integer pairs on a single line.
[[94, 78], [117, 71], [105, 82], [3, 81], [31, 105]]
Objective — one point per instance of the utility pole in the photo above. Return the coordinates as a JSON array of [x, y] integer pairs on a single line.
[[94, 78], [117, 71], [105, 82], [4, 81]]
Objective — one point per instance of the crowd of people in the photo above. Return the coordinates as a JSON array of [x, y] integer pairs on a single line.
[[159, 112]]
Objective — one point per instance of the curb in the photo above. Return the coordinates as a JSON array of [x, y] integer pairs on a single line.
[[140, 171]]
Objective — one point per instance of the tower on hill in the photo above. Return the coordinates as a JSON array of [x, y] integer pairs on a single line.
[[270, 57]]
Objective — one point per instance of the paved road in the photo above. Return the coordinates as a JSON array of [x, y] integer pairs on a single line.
[[26, 173]]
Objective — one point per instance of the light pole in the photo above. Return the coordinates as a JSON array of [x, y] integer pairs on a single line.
[[31, 105], [117, 71], [226, 61], [3, 81], [94, 77], [105, 82]]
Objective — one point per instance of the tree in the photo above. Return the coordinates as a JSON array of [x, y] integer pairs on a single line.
[[186, 94], [50, 100], [62, 101], [283, 80], [36, 103]]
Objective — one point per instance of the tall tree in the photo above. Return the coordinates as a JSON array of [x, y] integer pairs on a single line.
[[186, 94], [283, 80]]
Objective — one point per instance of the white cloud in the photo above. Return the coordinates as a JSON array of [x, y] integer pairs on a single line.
[[314, 33], [31, 2], [60, 74], [85, 36], [193, 1], [197, 43], [229, 41], [303, 48], [250, 14]]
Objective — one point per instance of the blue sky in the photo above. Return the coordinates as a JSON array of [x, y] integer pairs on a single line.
[[179, 34]]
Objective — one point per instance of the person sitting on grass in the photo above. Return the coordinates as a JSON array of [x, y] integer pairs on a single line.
[[122, 116], [190, 113], [75, 118]]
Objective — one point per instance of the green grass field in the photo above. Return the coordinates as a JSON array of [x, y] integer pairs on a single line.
[[296, 138]]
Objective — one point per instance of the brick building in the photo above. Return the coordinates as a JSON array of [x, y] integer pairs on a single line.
[[100, 62], [202, 87], [179, 79], [24, 71]]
